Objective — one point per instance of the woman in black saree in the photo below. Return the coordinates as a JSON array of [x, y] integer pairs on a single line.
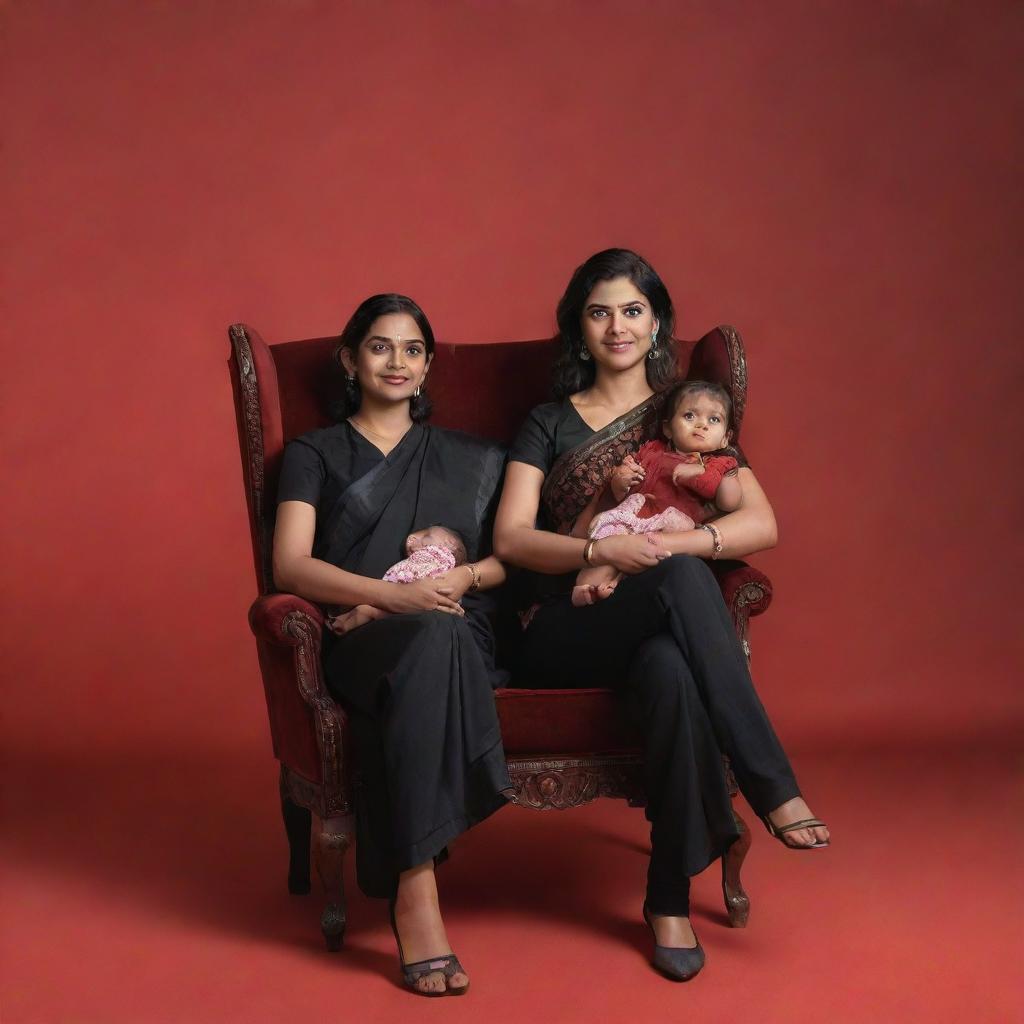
[[664, 633], [417, 683]]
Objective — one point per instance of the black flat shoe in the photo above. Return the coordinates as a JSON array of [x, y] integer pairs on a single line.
[[675, 962], [446, 964]]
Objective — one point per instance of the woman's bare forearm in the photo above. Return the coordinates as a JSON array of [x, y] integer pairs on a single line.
[[517, 541], [319, 581], [749, 529], [492, 573], [539, 550]]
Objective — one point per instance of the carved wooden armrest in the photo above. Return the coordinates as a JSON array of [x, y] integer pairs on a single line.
[[270, 618], [289, 621], [746, 590]]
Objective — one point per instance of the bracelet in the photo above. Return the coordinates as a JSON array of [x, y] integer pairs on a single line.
[[716, 538], [588, 551], [475, 573]]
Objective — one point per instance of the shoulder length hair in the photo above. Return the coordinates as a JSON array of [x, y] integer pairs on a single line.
[[572, 373]]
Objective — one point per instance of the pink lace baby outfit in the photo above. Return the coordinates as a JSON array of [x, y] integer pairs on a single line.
[[430, 560], [659, 505]]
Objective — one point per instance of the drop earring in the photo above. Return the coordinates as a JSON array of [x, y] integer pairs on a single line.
[[416, 393], [653, 353], [584, 351]]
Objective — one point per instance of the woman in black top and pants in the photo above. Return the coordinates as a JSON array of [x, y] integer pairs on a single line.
[[664, 633]]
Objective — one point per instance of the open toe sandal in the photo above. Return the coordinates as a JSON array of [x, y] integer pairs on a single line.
[[780, 833], [446, 964]]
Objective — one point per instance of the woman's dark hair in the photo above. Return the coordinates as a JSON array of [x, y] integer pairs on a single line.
[[699, 387], [352, 337], [572, 373]]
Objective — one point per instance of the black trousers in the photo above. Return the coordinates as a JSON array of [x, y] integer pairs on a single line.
[[666, 638]]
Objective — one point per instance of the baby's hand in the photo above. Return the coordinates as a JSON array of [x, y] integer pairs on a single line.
[[626, 475], [686, 471]]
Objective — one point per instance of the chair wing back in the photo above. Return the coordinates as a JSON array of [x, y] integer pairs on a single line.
[[285, 390]]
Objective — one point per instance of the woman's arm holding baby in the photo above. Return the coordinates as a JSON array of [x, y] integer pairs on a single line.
[[750, 528], [729, 495], [298, 572], [488, 571]]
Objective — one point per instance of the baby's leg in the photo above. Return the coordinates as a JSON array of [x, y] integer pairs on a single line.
[[595, 583], [358, 616]]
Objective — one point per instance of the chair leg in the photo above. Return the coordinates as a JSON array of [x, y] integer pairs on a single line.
[[737, 902], [297, 825], [333, 838]]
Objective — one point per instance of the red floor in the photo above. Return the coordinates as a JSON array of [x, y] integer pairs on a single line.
[[113, 911]]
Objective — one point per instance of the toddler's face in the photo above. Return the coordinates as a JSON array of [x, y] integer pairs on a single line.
[[436, 536], [699, 424]]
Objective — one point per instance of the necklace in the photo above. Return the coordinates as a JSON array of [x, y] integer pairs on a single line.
[[360, 426]]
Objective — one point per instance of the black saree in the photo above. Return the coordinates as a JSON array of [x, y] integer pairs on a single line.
[[418, 687]]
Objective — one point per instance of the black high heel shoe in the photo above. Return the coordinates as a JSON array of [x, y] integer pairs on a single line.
[[446, 964], [675, 962]]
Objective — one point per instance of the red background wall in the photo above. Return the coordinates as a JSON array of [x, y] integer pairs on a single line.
[[840, 181]]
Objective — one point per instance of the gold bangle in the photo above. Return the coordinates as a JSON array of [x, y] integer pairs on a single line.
[[475, 573], [588, 551]]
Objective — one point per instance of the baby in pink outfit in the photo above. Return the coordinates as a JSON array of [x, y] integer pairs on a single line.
[[430, 552]]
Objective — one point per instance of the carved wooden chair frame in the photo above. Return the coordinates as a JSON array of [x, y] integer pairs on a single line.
[[555, 783]]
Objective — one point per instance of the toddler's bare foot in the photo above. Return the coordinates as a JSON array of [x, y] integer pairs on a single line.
[[797, 810]]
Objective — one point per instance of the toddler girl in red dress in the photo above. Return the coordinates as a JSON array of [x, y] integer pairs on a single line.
[[671, 485]]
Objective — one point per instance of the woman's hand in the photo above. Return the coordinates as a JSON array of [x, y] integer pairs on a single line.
[[421, 596], [630, 553], [456, 581], [624, 476]]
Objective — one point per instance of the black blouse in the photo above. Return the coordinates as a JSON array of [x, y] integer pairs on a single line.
[[549, 430], [321, 465]]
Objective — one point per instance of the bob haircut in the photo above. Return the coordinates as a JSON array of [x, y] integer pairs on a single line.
[[570, 372], [353, 335]]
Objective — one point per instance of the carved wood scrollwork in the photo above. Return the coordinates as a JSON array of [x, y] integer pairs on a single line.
[[252, 420], [747, 596], [738, 367], [328, 717], [556, 785]]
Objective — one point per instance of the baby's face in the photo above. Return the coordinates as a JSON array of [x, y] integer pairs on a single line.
[[699, 424], [434, 536]]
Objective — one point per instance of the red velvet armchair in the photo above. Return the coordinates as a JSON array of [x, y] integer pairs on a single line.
[[564, 747]]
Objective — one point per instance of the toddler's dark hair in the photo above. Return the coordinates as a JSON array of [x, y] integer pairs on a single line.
[[699, 387]]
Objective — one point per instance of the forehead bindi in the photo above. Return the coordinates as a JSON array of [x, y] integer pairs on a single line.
[[399, 328]]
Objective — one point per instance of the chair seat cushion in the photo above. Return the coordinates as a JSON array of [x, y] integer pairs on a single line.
[[564, 723]]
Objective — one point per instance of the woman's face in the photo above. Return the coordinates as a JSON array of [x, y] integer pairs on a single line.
[[391, 361], [617, 324]]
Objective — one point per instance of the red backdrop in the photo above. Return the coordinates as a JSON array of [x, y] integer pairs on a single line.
[[840, 181]]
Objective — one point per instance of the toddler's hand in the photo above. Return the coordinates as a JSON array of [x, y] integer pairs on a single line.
[[686, 471], [625, 476]]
